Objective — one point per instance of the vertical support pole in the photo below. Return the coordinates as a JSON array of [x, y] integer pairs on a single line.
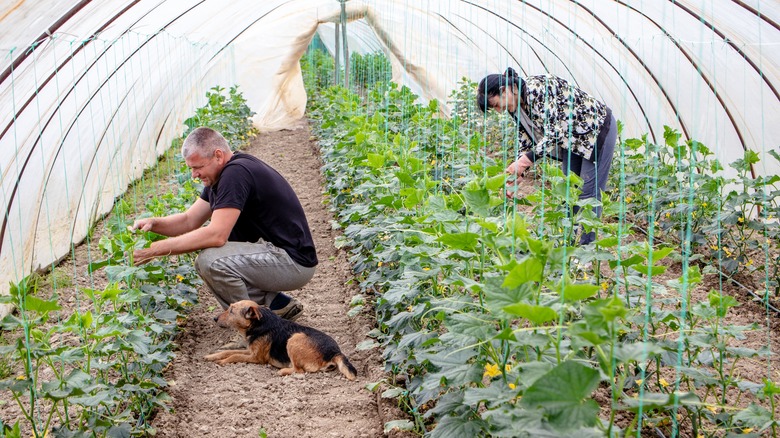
[[337, 57], [344, 42]]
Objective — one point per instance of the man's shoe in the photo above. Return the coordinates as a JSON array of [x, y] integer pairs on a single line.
[[291, 311], [237, 343]]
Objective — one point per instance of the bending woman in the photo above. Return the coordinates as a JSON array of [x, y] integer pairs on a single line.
[[560, 121]]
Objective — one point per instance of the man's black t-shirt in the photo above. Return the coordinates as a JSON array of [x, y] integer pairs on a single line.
[[269, 207]]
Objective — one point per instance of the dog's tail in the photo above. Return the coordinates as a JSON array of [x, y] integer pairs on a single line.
[[345, 366]]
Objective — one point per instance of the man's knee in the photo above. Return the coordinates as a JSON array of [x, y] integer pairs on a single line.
[[204, 263]]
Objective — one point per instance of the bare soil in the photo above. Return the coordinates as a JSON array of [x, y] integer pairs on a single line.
[[240, 400], [246, 400], [243, 400]]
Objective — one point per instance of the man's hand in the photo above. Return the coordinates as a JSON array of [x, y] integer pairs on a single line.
[[145, 224], [143, 256]]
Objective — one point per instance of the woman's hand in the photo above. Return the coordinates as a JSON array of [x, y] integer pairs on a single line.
[[517, 169]]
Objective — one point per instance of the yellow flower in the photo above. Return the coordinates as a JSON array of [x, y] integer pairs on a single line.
[[491, 370], [426, 269], [668, 215], [379, 264], [179, 278], [20, 377], [639, 381], [663, 382], [741, 219], [747, 430], [512, 386], [704, 204], [712, 409], [604, 285], [507, 368], [628, 199]]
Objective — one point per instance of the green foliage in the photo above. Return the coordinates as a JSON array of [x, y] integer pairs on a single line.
[[100, 371], [487, 314], [229, 115], [681, 191], [367, 70], [318, 68]]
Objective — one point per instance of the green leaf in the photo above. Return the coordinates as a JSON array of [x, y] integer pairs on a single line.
[[368, 344], [465, 241], [393, 392], [638, 352], [478, 201], [536, 314], [562, 394], [496, 182], [661, 253], [654, 400], [457, 427], [611, 308], [376, 161], [360, 137], [751, 157], [493, 395], [398, 425], [530, 269], [406, 178], [39, 305], [471, 324], [102, 397], [627, 262], [497, 296], [577, 292], [373, 386], [755, 416], [608, 242], [655, 270]]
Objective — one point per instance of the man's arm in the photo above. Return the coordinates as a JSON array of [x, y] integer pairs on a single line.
[[215, 234], [176, 224]]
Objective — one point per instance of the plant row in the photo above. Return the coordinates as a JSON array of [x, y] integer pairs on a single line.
[[97, 369], [489, 323]]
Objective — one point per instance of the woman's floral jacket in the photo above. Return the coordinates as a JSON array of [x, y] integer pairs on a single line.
[[566, 116]]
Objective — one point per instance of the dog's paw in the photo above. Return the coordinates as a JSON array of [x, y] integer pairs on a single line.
[[214, 357], [291, 372]]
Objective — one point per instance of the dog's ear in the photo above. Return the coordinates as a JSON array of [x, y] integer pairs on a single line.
[[252, 312]]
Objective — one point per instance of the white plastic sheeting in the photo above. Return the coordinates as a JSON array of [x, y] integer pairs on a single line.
[[91, 92]]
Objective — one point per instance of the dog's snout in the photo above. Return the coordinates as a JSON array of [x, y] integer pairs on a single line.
[[216, 318]]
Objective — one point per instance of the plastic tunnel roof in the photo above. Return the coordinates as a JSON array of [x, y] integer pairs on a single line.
[[92, 92]]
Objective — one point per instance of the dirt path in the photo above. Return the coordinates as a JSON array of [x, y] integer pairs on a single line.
[[240, 400]]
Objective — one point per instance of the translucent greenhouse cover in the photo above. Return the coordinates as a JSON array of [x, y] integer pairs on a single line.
[[92, 92]]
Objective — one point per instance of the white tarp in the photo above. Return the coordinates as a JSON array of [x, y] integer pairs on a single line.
[[92, 92]]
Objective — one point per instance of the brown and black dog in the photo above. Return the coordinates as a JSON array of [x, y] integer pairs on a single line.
[[292, 347]]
